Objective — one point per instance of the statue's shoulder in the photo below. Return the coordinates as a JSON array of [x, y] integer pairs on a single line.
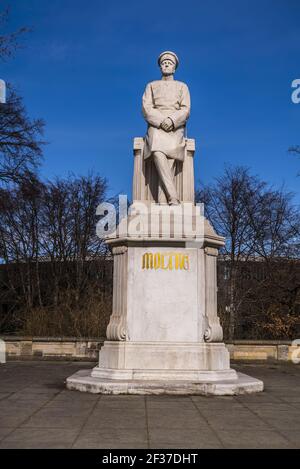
[[154, 83], [181, 84]]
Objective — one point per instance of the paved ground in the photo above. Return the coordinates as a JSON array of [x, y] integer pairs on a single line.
[[37, 412]]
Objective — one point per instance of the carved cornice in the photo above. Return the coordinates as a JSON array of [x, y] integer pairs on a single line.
[[119, 250], [211, 251]]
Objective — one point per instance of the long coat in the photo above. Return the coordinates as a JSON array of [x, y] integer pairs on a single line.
[[162, 99]]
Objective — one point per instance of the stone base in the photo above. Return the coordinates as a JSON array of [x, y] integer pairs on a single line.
[[163, 368], [243, 384], [160, 361]]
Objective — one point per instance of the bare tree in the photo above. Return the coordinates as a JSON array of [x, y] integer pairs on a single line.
[[9, 42], [20, 143], [69, 230], [275, 224], [229, 204], [20, 140], [261, 227], [55, 271]]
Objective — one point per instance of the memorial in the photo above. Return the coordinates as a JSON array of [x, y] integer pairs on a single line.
[[164, 334]]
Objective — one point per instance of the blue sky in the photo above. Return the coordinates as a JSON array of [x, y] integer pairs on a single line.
[[85, 66]]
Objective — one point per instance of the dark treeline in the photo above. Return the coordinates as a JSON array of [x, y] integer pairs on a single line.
[[55, 278], [259, 267], [56, 274]]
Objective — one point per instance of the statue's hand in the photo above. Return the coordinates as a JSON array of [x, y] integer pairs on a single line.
[[167, 125]]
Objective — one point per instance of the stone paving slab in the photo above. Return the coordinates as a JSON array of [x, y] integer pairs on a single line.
[[184, 437], [113, 437], [36, 411]]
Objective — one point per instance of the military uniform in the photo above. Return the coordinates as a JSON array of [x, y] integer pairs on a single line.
[[162, 99], [166, 99]]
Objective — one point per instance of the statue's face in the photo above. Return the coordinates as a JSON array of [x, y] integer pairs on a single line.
[[167, 67]]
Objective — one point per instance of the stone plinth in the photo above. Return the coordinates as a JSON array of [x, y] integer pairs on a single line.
[[242, 384], [164, 334]]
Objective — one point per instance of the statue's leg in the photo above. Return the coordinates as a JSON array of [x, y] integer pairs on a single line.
[[172, 164], [166, 176]]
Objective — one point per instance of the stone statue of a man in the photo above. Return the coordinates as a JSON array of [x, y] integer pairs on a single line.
[[166, 108]]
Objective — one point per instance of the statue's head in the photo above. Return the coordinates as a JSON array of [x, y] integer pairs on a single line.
[[168, 62]]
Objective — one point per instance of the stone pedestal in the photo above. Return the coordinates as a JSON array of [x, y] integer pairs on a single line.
[[164, 334]]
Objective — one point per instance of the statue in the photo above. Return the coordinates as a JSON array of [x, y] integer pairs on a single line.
[[166, 108], [164, 335]]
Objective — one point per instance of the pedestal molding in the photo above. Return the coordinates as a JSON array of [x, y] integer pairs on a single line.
[[116, 329]]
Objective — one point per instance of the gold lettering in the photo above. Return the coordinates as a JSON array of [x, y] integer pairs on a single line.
[[170, 265], [148, 260], [179, 261], [163, 262], [156, 260], [186, 262], [166, 261]]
